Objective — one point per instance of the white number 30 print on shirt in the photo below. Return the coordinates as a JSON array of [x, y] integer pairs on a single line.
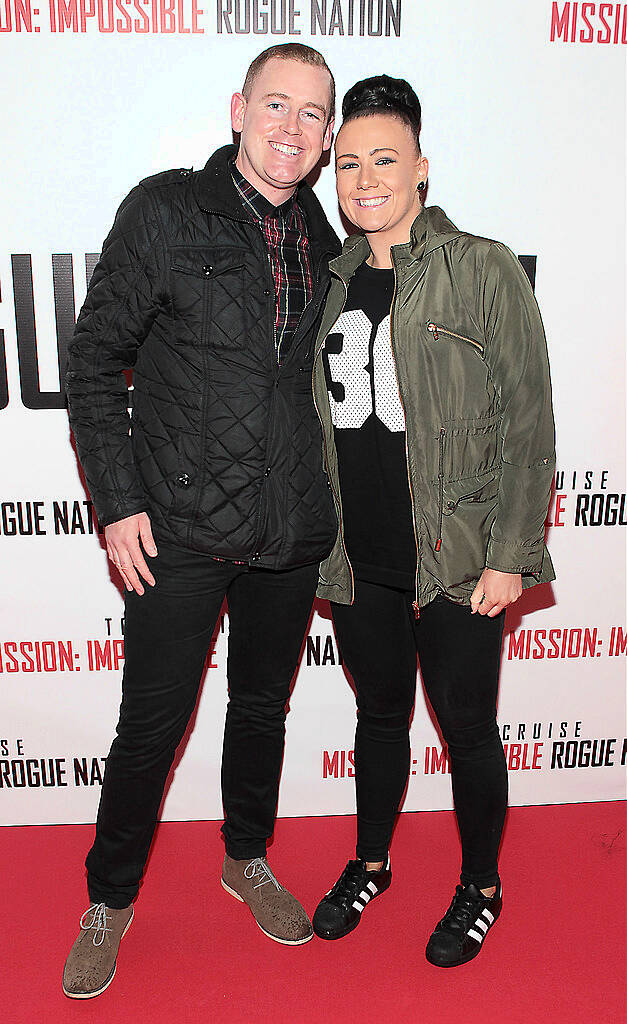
[[355, 379]]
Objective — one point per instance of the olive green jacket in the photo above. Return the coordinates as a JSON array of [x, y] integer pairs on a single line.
[[473, 377]]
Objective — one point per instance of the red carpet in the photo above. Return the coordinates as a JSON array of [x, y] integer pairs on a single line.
[[194, 954]]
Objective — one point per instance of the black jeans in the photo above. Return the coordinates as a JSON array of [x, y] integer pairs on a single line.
[[459, 657], [167, 635]]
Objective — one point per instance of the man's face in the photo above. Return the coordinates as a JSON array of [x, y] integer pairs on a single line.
[[283, 126]]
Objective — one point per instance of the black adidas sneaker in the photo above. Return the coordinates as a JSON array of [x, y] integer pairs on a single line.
[[458, 937], [340, 910]]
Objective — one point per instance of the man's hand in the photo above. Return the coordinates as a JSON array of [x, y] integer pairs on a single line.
[[125, 551], [495, 591]]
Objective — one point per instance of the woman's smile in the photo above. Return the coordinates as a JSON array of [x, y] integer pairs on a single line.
[[374, 201]]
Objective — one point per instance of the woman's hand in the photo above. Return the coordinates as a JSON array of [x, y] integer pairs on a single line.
[[495, 591]]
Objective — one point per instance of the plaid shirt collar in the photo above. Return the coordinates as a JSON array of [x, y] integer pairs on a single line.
[[258, 205]]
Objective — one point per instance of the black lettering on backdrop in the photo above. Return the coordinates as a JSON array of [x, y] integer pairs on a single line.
[[277, 17], [26, 328], [32, 395], [25, 323], [529, 263], [91, 259], [4, 379], [356, 17], [326, 17], [64, 307]]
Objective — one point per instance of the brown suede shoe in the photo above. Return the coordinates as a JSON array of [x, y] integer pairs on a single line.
[[278, 914], [90, 967]]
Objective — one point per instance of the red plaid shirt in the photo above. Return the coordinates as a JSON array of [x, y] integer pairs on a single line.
[[285, 231]]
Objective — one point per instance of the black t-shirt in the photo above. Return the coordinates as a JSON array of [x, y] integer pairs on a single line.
[[369, 427]]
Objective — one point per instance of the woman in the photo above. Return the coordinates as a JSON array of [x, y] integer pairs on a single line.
[[431, 380]]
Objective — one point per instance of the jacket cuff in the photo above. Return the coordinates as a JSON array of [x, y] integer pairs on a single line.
[[509, 556], [113, 515]]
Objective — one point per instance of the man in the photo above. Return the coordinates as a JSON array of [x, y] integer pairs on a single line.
[[210, 285]]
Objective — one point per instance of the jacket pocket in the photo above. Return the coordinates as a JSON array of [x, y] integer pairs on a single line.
[[214, 297], [205, 264], [459, 491], [438, 330], [473, 490], [466, 514], [467, 448]]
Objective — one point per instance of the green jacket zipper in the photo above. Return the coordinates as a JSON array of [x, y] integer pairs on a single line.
[[436, 330], [438, 543]]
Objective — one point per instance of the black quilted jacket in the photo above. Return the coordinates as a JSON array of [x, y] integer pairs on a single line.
[[225, 447]]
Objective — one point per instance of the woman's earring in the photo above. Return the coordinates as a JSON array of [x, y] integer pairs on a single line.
[[422, 186]]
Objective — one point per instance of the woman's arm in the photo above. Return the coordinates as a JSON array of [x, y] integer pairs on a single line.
[[515, 349]]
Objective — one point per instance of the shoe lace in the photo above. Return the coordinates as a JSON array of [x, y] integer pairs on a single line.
[[259, 868], [349, 885], [98, 922], [462, 912]]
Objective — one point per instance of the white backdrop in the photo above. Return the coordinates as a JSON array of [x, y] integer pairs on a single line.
[[525, 134]]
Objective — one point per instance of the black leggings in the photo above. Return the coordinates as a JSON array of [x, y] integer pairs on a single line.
[[459, 657]]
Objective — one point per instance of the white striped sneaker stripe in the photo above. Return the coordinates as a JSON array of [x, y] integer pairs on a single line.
[[476, 935], [481, 924], [357, 905], [373, 888], [488, 916], [365, 896]]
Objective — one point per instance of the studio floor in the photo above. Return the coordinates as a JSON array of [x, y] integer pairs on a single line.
[[557, 954]]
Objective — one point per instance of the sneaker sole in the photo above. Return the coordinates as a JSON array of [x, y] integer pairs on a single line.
[[275, 938], [351, 927], [469, 956], [339, 935], [99, 991], [458, 963]]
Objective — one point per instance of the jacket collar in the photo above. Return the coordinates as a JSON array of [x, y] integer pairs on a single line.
[[215, 192], [430, 230]]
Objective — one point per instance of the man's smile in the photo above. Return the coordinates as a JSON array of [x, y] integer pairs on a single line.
[[282, 147]]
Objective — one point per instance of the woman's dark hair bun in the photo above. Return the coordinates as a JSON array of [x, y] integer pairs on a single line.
[[382, 94]]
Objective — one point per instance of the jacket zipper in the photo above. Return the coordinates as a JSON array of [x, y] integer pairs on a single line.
[[438, 543], [415, 604], [203, 419], [436, 330], [338, 503], [241, 220], [276, 347]]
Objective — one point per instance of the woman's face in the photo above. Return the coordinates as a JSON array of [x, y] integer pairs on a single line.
[[378, 168]]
